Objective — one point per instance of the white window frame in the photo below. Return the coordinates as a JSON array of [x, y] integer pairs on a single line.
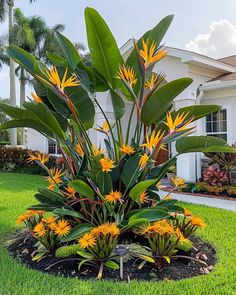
[[56, 148], [228, 127]]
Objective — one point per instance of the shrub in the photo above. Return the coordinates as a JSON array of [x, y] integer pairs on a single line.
[[14, 159], [215, 177], [226, 161]]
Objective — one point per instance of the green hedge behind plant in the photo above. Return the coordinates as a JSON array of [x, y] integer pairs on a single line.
[[14, 159]]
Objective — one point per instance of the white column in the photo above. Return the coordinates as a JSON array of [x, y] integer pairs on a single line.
[[187, 163]]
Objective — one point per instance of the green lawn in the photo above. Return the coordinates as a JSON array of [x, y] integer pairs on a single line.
[[16, 193]]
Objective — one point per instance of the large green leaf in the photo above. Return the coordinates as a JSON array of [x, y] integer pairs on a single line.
[[51, 195], [56, 59], [197, 111], [82, 102], [104, 182], [15, 112], [104, 51], [160, 101], [150, 214], [68, 212], [46, 118], [23, 58], [118, 105], [74, 60], [45, 200], [140, 188], [69, 50], [202, 144], [34, 124], [131, 171], [77, 232], [82, 188], [58, 103]]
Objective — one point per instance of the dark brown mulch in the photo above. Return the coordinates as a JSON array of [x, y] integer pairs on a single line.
[[22, 248]]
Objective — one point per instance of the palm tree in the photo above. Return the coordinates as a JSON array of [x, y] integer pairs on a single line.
[[6, 7]]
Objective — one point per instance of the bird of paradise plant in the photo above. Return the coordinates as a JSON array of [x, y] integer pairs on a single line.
[[116, 182]]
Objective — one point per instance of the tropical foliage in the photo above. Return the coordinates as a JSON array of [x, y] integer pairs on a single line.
[[112, 186]]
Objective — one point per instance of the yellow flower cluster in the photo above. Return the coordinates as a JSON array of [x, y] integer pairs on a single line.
[[162, 228], [28, 215], [113, 197], [89, 240], [60, 228], [55, 177], [54, 77], [106, 164], [42, 158]]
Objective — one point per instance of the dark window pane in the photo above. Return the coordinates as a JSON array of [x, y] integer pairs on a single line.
[[223, 115], [208, 127], [215, 127], [215, 116], [223, 126], [208, 118], [51, 147]]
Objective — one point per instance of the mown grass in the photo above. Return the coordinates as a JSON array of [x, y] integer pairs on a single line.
[[16, 193]]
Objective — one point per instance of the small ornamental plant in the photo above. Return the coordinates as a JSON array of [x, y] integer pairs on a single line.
[[99, 243], [163, 240], [111, 184], [31, 218], [188, 224]]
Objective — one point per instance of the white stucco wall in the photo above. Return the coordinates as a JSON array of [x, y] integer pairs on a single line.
[[36, 141]]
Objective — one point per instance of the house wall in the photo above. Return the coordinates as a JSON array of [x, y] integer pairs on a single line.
[[36, 141], [227, 99]]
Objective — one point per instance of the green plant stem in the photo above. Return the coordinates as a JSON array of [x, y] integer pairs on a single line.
[[129, 124], [112, 134]]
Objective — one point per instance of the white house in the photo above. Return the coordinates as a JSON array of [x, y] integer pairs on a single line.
[[214, 82]]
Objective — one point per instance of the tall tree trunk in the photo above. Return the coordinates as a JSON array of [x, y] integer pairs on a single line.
[[22, 99], [13, 134]]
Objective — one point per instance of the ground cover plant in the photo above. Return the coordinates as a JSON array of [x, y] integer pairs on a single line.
[[96, 195], [15, 278]]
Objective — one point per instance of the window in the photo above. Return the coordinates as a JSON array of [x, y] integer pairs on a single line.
[[53, 148], [216, 124]]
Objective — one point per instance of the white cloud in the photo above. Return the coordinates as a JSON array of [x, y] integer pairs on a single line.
[[219, 41]]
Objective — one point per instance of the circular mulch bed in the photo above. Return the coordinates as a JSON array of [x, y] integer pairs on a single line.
[[21, 247]]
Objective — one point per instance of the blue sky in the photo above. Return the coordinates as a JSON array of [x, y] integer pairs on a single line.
[[198, 25]]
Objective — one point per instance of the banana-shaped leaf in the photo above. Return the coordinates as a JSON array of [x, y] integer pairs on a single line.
[[46, 118], [104, 51], [118, 105], [202, 144], [104, 182], [150, 214], [34, 124], [70, 52], [82, 188], [159, 102], [77, 232], [82, 102], [25, 59], [140, 188]]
